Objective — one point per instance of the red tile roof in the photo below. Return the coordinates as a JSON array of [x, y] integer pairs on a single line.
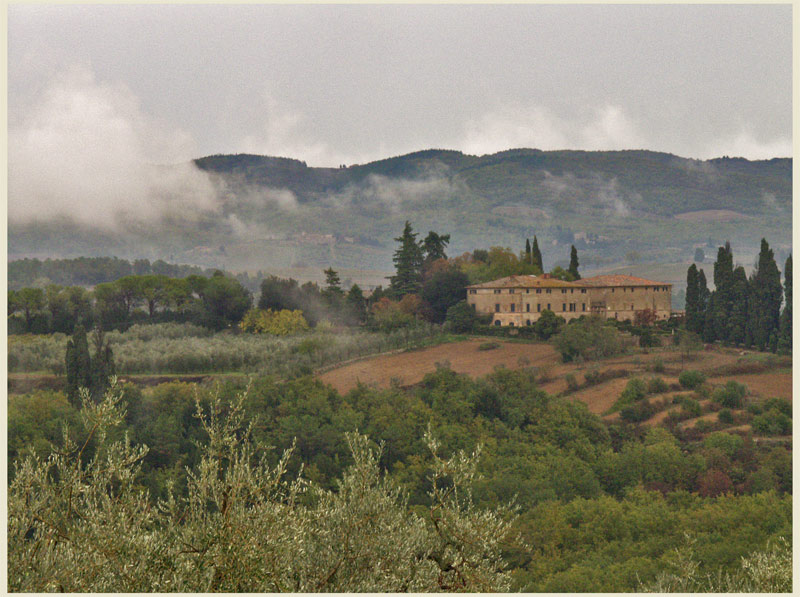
[[525, 281], [618, 280]]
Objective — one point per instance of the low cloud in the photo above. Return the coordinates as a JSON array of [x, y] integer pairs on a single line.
[[603, 128], [395, 194], [744, 144], [87, 152]]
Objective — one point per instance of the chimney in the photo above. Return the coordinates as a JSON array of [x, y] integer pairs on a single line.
[[546, 276]]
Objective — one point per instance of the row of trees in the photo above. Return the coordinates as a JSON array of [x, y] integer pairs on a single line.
[[216, 302], [740, 310]]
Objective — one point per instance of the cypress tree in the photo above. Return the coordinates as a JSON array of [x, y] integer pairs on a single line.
[[573, 263], [102, 365], [78, 365], [739, 315], [723, 281], [536, 254], [767, 295], [785, 327], [408, 265], [694, 317], [528, 258]]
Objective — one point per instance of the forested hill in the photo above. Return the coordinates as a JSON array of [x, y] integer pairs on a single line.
[[617, 208], [647, 181]]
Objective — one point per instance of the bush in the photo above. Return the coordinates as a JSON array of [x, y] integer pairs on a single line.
[[488, 346], [461, 318], [588, 338], [772, 422], [726, 416], [728, 443], [640, 411], [634, 391], [779, 404], [691, 379], [572, 383], [658, 365], [730, 396], [691, 408], [656, 385]]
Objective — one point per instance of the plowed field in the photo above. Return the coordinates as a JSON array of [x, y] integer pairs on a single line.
[[409, 368]]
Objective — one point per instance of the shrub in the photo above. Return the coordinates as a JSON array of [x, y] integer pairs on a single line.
[[691, 408], [461, 318], [656, 385], [730, 396], [728, 443], [657, 365], [589, 338], [772, 422], [703, 425], [779, 404], [572, 383], [726, 416], [488, 346], [634, 391], [640, 411], [691, 379]]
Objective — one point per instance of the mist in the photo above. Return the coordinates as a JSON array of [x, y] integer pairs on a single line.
[[85, 151]]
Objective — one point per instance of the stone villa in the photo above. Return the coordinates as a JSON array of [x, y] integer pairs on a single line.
[[520, 300]]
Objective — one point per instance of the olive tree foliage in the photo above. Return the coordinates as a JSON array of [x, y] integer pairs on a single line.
[[764, 571], [79, 522]]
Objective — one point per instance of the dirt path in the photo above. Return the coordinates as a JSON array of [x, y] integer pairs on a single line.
[[464, 357]]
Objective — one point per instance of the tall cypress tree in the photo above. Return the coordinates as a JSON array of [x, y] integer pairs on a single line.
[[785, 326], [78, 365], [528, 257], [408, 265], [722, 296], [573, 263], [102, 365], [739, 315], [767, 295], [694, 321], [536, 254], [703, 294]]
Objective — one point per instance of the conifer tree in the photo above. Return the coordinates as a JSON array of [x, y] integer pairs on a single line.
[[694, 316], [723, 282], [766, 297], [333, 286], [740, 303], [78, 364], [573, 264], [785, 328], [433, 246], [101, 365], [528, 257], [357, 303], [408, 265], [536, 254]]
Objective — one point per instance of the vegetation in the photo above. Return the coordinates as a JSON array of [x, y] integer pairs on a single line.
[[741, 311], [588, 338]]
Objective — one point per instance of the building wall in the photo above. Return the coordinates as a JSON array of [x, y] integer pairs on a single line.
[[518, 306]]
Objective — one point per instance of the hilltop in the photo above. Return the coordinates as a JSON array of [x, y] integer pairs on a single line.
[[617, 207]]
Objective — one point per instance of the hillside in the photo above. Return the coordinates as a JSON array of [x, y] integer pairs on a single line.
[[617, 207]]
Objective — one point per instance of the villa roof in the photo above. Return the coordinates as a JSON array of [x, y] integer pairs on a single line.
[[525, 281], [545, 281], [618, 280]]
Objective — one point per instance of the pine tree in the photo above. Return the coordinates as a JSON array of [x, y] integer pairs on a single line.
[[333, 292], [433, 246], [573, 264], [408, 265], [357, 303], [785, 327], [536, 254], [766, 296]]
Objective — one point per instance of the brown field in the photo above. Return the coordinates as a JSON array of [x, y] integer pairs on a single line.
[[409, 368], [464, 357], [712, 215]]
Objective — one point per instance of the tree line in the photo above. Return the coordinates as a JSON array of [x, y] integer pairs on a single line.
[[742, 311]]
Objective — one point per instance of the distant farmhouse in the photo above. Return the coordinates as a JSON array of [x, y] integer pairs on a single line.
[[520, 300]]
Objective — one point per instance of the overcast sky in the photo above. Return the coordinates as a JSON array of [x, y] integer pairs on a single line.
[[347, 84]]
